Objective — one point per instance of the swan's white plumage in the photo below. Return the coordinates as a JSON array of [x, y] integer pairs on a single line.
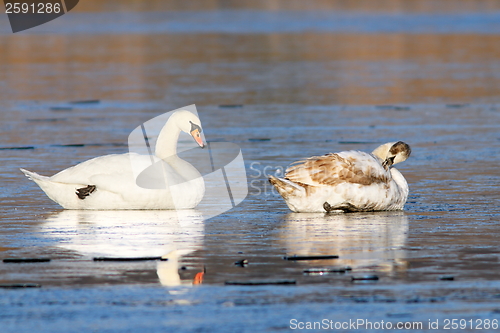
[[116, 186], [346, 181]]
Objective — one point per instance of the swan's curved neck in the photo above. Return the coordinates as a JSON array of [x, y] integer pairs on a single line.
[[166, 144], [400, 180], [166, 149]]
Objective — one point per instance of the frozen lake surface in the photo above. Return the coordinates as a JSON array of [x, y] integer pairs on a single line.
[[282, 91]]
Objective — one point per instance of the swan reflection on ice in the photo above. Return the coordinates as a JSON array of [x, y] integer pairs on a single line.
[[361, 240], [134, 233]]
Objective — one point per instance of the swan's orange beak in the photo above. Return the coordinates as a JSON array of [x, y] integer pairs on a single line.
[[197, 137]]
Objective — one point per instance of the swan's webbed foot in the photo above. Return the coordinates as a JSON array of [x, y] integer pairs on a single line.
[[346, 207], [84, 192], [327, 207]]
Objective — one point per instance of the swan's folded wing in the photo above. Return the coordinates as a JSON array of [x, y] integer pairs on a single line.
[[333, 169], [121, 173], [82, 173]]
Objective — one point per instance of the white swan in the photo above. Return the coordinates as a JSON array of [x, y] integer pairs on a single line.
[[108, 182], [349, 181]]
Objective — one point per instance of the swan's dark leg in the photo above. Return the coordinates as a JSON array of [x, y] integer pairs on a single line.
[[346, 207], [84, 192], [349, 208]]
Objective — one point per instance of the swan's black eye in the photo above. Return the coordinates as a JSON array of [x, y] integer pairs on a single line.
[[196, 134]]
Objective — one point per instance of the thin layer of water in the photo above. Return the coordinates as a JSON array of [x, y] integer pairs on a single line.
[[280, 95]]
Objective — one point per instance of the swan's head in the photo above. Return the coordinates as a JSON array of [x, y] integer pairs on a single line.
[[392, 153], [189, 123]]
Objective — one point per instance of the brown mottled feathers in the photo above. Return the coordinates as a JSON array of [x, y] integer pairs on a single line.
[[334, 169]]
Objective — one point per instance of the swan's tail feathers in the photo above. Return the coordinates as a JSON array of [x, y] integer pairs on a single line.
[[34, 176], [286, 188]]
